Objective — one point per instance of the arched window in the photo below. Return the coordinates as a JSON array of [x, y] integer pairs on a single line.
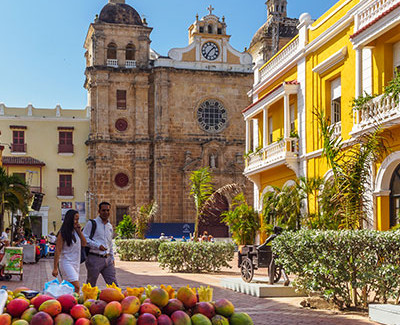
[[112, 51], [130, 52], [210, 29], [395, 197]]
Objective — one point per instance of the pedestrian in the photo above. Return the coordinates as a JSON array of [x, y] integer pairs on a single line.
[[204, 238], [210, 238], [172, 238], [100, 259], [68, 249], [162, 236], [42, 245], [183, 238], [4, 234]]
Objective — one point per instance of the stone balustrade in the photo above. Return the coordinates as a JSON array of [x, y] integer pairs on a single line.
[[274, 153], [373, 11]]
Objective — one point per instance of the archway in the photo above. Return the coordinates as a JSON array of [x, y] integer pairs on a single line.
[[395, 197], [211, 220]]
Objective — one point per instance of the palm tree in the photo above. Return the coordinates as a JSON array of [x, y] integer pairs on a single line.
[[200, 188], [14, 195], [143, 216], [351, 167]]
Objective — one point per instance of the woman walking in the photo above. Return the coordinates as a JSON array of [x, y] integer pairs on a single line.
[[67, 256]]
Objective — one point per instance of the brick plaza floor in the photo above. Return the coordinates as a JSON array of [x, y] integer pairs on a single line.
[[264, 311]]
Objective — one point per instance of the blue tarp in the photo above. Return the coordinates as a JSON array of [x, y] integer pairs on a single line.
[[170, 229]]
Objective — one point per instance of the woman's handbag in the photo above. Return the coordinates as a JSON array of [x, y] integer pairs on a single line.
[[85, 249]]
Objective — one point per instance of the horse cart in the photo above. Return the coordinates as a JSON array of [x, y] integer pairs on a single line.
[[252, 257]]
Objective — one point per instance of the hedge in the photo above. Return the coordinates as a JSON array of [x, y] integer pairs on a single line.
[[350, 268], [195, 256], [138, 249]]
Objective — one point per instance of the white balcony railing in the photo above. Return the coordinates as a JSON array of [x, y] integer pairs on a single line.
[[112, 63], [280, 59], [373, 11], [381, 110], [337, 129], [129, 64], [274, 153]]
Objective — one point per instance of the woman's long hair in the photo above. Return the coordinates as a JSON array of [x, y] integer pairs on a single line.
[[67, 228]]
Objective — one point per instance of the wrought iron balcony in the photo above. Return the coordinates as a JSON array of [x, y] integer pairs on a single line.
[[280, 152], [65, 191], [65, 148], [18, 147]]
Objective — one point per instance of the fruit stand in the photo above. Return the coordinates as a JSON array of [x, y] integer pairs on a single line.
[[149, 305]]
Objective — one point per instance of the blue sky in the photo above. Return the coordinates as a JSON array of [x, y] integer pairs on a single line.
[[42, 56]]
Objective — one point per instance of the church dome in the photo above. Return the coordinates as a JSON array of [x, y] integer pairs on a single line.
[[120, 13]]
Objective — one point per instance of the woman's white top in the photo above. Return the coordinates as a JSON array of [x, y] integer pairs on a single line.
[[71, 254]]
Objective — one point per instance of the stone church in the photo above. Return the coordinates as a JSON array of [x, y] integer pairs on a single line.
[[155, 119]]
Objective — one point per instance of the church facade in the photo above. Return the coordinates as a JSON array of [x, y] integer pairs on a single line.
[[155, 119]]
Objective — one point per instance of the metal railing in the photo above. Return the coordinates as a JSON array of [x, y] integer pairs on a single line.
[[65, 191], [18, 147], [65, 148]]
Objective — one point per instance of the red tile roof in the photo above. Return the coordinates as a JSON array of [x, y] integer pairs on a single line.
[[375, 20], [22, 161], [291, 82]]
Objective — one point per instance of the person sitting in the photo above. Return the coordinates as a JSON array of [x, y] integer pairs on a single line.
[[172, 238], [183, 238], [163, 237], [211, 238], [204, 238]]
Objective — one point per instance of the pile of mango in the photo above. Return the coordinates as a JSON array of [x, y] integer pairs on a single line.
[[134, 306]]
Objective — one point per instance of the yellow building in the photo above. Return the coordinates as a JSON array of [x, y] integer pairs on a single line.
[[46, 147], [351, 49]]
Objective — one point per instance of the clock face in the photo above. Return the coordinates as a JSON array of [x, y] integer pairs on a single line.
[[212, 116], [210, 51]]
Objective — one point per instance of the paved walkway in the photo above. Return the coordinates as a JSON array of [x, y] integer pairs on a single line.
[[264, 311]]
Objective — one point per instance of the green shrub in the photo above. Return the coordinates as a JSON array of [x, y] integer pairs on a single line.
[[138, 249], [126, 229], [349, 267], [195, 256]]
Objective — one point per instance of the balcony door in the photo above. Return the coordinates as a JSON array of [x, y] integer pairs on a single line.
[[395, 197]]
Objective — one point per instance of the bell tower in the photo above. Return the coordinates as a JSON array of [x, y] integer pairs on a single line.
[[117, 81], [276, 8]]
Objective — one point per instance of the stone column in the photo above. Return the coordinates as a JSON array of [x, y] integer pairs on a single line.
[[286, 118], [248, 135], [358, 81]]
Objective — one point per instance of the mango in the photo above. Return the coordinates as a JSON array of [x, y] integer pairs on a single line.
[[39, 299], [18, 290], [67, 302], [52, 307], [99, 320], [173, 305], [240, 319], [111, 294], [200, 319], [164, 320], [130, 305], [63, 319], [224, 307], [149, 308], [80, 311], [20, 322], [180, 318], [5, 319], [28, 314], [41, 318], [82, 321], [17, 306], [89, 302], [126, 319], [205, 308], [187, 296], [147, 319], [97, 307], [113, 310], [219, 320], [159, 297]]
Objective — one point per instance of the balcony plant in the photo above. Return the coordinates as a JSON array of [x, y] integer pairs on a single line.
[[393, 88], [358, 103], [294, 134]]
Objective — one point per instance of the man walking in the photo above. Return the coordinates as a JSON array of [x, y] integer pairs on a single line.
[[100, 259]]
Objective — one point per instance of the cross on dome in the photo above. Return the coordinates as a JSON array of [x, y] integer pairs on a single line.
[[210, 9]]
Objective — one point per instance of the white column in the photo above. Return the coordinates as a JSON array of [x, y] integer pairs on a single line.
[[256, 141], [247, 135], [358, 90], [286, 116], [265, 127]]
